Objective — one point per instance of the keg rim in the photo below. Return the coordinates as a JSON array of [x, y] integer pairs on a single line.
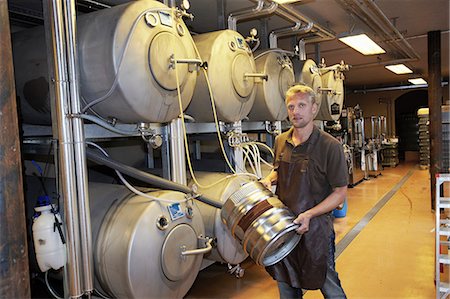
[[285, 249]]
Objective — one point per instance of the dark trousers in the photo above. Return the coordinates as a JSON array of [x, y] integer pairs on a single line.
[[331, 289]]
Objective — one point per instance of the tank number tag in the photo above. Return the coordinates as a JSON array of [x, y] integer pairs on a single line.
[[166, 18], [175, 211], [335, 109], [240, 43]]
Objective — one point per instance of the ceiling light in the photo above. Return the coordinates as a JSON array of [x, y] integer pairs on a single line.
[[399, 69], [285, 1], [417, 81], [363, 44]]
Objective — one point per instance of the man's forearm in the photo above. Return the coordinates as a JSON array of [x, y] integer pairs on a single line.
[[332, 201]]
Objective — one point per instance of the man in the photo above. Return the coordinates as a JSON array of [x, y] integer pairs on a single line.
[[311, 178]]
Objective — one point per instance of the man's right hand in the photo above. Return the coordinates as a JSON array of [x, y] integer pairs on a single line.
[[267, 183]]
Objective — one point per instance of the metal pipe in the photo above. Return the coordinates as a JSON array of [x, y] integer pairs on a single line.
[[370, 14], [204, 250], [324, 33], [87, 268], [258, 11], [380, 63], [419, 86], [14, 281], [297, 29], [412, 53], [57, 60], [256, 75], [147, 177], [177, 152]]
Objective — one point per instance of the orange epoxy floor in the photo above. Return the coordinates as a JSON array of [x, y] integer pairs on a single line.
[[392, 257]]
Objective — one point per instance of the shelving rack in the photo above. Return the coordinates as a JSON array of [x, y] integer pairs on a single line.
[[442, 232]]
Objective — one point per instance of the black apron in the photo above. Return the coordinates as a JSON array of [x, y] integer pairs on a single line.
[[306, 266]]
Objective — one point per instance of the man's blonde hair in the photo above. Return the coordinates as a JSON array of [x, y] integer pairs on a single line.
[[300, 88]]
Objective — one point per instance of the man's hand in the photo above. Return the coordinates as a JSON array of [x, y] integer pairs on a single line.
[[269, 180], [266, 182], [303, 219]]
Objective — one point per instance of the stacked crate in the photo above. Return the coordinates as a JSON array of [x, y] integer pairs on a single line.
[[445, 139], [424, 138], [389, 153]]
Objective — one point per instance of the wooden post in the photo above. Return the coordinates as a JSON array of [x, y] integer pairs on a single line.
[[435, 106], [14, 273]]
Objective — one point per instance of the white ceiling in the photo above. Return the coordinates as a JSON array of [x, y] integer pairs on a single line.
[[413, 18]]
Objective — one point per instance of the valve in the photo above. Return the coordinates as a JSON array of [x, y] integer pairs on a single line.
[[236, 270]]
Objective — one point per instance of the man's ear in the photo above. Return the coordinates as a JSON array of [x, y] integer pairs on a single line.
[[315, 108]]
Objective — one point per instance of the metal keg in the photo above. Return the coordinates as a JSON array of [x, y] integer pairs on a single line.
[[332, 95], [307, 72], [270, 94], [126, 57], [232, 75], [261, 222]]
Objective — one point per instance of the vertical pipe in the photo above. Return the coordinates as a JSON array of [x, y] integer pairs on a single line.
[[434, 104], [57, 67], [238, 153], [221, 8], [264, 33], [177, 152], [14, 276], [317, 52], [79, 149], [165, 153]]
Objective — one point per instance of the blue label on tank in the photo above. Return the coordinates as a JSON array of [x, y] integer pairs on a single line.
[[175, 211]]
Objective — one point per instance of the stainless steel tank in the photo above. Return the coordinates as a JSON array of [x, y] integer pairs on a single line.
[[125, 51], [332, 95], [139, 242], [253, 221], [230, 66], [227, 248], [270, 94], [307, 72]]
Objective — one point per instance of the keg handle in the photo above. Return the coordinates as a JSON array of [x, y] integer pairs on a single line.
[[329, 90], [256, 75], [191, 61], [203, 250]]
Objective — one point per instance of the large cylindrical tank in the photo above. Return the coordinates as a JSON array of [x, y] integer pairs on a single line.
[[138, 242], [125, 51], [227, 248], [229, 59], [270, 94], [332, 95], [307, 72]]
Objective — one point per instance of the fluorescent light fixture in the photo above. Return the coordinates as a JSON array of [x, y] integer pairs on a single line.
[[417, 81], [285, 1], [399, 69], [363, 44]]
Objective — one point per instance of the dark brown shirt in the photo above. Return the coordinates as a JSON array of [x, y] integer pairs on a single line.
[[330, 167]]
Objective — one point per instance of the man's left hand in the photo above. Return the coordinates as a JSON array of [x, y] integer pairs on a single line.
[[303, 219]]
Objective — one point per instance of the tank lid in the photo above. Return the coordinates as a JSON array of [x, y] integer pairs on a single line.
[[240, 66], [164, 46], [175, 266]]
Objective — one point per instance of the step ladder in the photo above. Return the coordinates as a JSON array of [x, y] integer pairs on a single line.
[[442, 231]]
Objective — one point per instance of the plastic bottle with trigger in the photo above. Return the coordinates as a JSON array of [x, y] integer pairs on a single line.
[[48, 243]]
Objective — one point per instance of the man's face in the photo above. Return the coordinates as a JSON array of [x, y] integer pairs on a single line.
[[300, 110]]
